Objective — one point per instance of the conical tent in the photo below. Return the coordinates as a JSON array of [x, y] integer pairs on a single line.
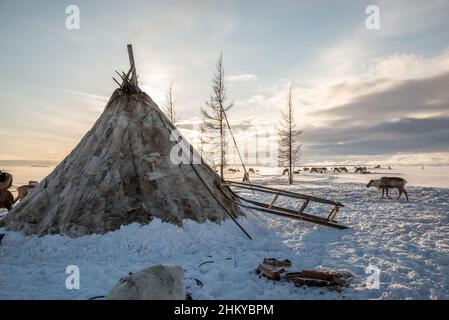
[[122, 172]]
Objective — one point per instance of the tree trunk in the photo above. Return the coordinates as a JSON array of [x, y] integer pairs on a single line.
[[221, 147], [288, 147], [290, 144]]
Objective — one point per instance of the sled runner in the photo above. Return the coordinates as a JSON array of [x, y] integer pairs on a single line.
[[299, 214]]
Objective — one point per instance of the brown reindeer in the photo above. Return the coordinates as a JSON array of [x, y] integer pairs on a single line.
[[386, 183], [360, 170], [22, 191], [6, 199]]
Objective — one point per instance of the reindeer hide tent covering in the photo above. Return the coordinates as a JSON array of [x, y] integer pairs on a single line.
[[121, 173]]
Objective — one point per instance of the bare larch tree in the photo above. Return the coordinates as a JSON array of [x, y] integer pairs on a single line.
[[289, 147], [169, 109], [214, 124]]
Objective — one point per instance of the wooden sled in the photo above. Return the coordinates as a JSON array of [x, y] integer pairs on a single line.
[[328, 221]]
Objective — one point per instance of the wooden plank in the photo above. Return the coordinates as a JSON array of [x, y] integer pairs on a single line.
[[303, 207], [277, 263], [273, 201], [333, 213], [127, 74], [302, 217], [270, 273], [325, 276], [317, 278], [119, 75], [300, 281], [116, 82], [133, 65]]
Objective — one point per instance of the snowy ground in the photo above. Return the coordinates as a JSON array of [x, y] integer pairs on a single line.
[[407, 241]]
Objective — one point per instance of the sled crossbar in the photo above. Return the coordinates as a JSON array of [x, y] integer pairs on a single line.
[[282, 193], [286, 212]]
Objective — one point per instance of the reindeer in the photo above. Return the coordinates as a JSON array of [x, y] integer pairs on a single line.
[[386, 183], [5, 180], [22, 191], [361, 170], [6, 199]]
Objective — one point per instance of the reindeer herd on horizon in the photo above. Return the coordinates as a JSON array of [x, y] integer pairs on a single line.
[[384, 184]]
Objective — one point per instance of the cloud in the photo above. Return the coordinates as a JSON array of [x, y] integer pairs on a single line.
[[410, 117], [389, 137], [421, 97], [402, 17], [86, 97], [398, 105], [241, 77], [402, 66]]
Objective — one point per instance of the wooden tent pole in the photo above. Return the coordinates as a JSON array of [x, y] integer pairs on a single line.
[[133, 65]]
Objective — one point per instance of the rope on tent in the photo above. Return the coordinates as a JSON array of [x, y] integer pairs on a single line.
[[246, 174], [166, 123], [219, 202]]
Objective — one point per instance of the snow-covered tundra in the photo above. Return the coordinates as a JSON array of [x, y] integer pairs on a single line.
[[405, 241], [386, 183]]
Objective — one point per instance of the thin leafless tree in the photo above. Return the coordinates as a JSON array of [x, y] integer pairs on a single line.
[[288, 147], [214, 124]]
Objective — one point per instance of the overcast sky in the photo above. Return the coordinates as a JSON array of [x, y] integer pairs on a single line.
[[359, 94]]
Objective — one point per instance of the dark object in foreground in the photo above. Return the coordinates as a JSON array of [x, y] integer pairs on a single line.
[[270, 272], [314, 278], [5, 180], [274, 269], [6, 199], [277, 263]]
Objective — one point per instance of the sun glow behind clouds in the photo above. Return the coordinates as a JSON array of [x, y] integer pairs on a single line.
[[156, 85], [331, 58]]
